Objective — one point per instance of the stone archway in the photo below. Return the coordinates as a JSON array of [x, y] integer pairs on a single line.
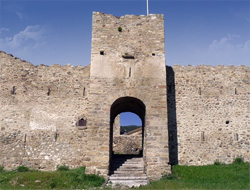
[[126, 104]]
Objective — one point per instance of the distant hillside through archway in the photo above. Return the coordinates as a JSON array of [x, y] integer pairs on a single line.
[[129, 122]]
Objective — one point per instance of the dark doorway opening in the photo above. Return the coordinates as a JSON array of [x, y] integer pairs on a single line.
[[121, 105]]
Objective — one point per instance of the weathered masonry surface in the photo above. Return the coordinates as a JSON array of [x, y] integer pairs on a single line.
[[55, 115], [208, 114]]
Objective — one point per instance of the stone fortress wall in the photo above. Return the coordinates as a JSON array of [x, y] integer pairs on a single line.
[[208, 113], [199, 115], [38, 120]]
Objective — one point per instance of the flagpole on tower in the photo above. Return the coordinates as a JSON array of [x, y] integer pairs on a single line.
[[147, 7]]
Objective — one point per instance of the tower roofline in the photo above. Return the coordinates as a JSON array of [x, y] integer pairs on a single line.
[[127, 15]]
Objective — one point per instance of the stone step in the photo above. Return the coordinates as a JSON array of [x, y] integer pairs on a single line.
[[127, 161], [129, 183], [132, 166], [127, 166], [120, 170], [129, 171], [128, 178], [129, 175]]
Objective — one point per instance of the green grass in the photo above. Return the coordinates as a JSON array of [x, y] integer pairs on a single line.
[[219, 176], [72, 179]]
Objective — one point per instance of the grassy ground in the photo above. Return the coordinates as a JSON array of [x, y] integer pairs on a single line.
[[72, 179], [220, 176]]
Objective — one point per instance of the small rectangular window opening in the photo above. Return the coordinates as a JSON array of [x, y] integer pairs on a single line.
[[129, 72], [153, 54], [127, 56], [101, 52], [82, 122]]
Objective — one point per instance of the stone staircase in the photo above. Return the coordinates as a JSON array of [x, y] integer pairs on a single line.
[[127, 170]]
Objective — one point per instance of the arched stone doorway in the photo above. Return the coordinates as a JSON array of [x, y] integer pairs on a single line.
[[125, 104]]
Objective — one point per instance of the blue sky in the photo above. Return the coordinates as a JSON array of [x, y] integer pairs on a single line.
[[128, 118], [214, 32], [210, 32]]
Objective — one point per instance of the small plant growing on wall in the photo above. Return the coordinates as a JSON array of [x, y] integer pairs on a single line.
[[63, 168], [22, 169], [120, 29], [217, 162], [238, 160]]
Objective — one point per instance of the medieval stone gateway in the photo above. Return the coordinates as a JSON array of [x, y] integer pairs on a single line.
[[56, 115]]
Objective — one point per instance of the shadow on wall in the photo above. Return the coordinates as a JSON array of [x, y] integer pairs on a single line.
[[172, 122]]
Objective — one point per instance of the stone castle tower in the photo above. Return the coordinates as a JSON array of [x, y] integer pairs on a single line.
[[128, 74]]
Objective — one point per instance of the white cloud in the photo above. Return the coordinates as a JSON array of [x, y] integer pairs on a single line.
[[4, 29], [31, 37], [224, 43], [227, 51]]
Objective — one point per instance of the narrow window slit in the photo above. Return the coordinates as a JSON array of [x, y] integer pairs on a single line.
[[56, 136], [236, 136], [24, 138], [13, 91], [101, 52], [84, 91], [203, 136], [48, 93], [130, 72]]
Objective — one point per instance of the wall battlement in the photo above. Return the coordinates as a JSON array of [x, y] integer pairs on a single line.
[[191, 115]]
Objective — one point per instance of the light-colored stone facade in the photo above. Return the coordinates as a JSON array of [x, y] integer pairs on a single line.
[[128, 73], [190, 115], [38, 121], [209, 112]]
